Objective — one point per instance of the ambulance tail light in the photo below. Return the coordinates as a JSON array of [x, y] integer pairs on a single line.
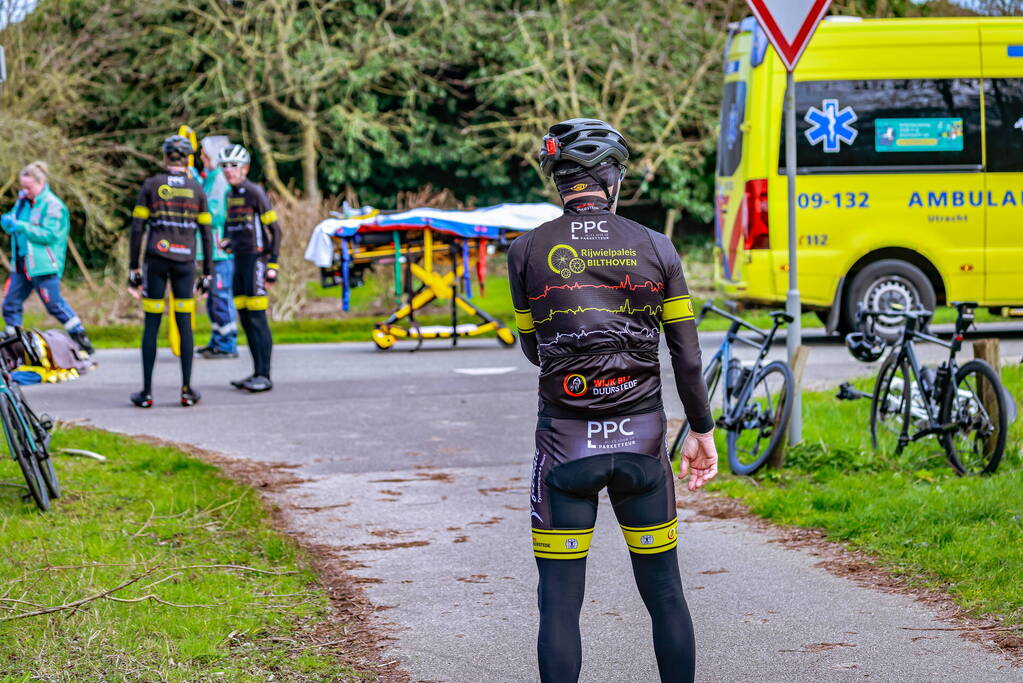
[[758, 234]]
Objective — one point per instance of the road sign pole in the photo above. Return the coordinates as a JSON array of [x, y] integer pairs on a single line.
[[794, 336]]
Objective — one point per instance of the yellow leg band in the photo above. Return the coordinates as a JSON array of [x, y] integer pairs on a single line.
[[561, 544], [153, 305], [184, 305], [649, 540], [259, 303], [241, 302]]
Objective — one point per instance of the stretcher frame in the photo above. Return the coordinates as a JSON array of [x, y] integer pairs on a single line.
[[424, 284]]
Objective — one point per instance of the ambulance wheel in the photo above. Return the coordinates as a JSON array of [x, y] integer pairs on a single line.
[[505, 337], [886, 284], [383, 340]]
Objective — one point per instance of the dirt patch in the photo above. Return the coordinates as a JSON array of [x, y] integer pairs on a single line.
[[384, 546], [820, 647], [420, 476], [352, 633], [866, 571]]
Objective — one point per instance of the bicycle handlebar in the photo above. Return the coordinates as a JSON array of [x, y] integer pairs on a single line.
[[710, 307]]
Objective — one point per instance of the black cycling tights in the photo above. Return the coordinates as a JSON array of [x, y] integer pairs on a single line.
[[250, 299], [636, 485], [158, 272]]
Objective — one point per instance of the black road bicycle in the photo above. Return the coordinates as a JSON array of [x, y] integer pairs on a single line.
[[28, 437], [964, 406], [756, 399]]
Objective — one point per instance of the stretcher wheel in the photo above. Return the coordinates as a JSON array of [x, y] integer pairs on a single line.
[[383, 340], [505, 337]]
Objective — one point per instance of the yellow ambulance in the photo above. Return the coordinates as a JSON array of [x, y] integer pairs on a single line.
[[910, 166]]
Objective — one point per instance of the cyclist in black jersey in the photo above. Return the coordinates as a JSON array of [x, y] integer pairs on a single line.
[[593, 292], [171, 207], [254, 237]]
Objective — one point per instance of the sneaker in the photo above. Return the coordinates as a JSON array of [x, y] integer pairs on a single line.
[[240, 383], [211, 353], [189, 396], [203, 349], [83, 341], [258, 383], [142, 399]]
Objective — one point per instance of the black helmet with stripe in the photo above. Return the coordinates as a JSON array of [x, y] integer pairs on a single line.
[[177, 148], [582, 142]]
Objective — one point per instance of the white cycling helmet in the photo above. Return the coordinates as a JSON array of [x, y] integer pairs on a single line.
[[235, 155]]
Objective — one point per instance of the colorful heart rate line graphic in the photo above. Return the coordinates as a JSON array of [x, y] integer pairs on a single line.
[[624, 285], [626, 308], [642, 333]]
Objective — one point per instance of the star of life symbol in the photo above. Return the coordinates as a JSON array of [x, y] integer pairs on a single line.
[[646, 539], [831, 125]]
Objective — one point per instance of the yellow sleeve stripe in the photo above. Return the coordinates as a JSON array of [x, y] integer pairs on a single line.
[[241, 302], [153, 305], [651, 539], [184, 305], [268, 217], [258, 303], [677, 309], [272, 266], [524, 321], [204, 218], [561, 544], [140, 212]]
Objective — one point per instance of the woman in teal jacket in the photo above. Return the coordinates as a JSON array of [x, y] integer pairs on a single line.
[[39, 226]]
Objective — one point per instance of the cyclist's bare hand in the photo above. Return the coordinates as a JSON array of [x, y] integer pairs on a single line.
[[699, 459]]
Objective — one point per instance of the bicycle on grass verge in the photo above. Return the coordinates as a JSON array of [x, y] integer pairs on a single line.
[[28, 436], [756, 399], [964, 406]]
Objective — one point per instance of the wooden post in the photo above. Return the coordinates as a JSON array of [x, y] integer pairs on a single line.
[[777, 459], [669, 223], [988, 350]]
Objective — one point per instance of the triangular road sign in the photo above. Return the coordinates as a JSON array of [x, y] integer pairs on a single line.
[[789, 24]]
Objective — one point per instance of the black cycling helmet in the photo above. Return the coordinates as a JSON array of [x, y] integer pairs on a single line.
[[587, 142], [177, 146], [864, 348]]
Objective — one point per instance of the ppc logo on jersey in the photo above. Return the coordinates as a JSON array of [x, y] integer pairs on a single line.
[[163, 245], [831, 125], [564, 260], [589, 229]]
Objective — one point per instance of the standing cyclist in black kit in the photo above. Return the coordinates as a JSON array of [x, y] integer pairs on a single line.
[[172, 206], [592, 292], [253, 236]]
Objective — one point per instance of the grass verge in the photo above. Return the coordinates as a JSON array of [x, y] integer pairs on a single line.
[[182, 576], [963, 536]]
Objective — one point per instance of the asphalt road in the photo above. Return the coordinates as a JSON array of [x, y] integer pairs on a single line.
[[418, 466]]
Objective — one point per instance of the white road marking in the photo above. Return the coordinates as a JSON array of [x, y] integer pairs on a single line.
[[503, 370]]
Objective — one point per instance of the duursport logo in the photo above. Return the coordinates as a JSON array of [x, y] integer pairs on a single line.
[[672, 533], [564, 260], [163, 245], [575, 385]]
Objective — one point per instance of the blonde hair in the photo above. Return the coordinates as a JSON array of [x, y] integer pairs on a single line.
[[39, 170]]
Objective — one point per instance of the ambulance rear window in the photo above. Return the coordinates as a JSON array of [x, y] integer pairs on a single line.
[[1003, 100], [885, 126], [733, 113]]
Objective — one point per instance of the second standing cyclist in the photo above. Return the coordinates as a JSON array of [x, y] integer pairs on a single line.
[[172, 208], [254, 238]]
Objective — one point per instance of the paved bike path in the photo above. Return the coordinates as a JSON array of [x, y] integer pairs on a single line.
[[417, 467]]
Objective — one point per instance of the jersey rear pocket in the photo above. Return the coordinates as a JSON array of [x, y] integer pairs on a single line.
[[601, 382]]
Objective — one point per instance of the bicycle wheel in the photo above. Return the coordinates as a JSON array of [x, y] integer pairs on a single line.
[[890, 405], [17, 443], [978, 413], [40, 440], [766, 408], [711, 377]]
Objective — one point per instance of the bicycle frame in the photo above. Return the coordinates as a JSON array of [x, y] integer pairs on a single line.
[[730, 416]]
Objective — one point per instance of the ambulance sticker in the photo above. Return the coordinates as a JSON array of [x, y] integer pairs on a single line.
[[831, 125]]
